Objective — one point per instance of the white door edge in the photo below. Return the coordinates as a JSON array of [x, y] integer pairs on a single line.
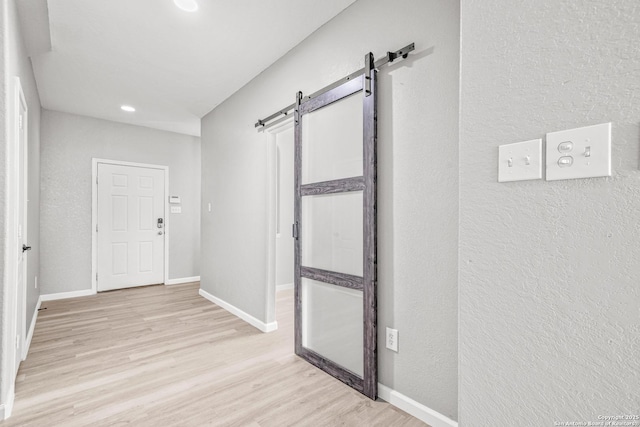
[[94, 213], [12, 317], [25, 220]]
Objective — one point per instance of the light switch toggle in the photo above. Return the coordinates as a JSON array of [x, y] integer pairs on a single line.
[[565, 161], [565, 147], [587, 151], [520, 161]]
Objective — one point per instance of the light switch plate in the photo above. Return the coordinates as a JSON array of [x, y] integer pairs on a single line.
[[176, 209], [520, 161], [579, 153]]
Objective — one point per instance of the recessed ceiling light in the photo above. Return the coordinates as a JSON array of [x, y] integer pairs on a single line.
[[187, 5], [127, 108]]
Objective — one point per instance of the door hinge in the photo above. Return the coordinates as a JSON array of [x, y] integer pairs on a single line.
[[96, 228], [20, 121], [96, 276], [294, 230]]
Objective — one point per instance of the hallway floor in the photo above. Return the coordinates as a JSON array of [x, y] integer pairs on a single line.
[[164, 356]]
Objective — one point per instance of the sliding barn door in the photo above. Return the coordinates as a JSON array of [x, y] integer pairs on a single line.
[[335, 231]]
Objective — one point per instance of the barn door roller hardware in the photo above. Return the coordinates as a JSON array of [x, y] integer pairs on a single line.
[[370, 65]]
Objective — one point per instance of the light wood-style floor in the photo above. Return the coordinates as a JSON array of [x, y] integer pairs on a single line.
[[164, 356]]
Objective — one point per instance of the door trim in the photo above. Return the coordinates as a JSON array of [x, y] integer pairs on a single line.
[[94, 214]]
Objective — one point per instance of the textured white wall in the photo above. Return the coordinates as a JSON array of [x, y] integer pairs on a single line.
[[17, 64], [69, 142], [549, 271], [418, 182]]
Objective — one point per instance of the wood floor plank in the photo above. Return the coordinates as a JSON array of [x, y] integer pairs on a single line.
[[164, 356]]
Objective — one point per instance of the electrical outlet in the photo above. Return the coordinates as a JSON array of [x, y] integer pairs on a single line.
[[392, 339], [36, 282]]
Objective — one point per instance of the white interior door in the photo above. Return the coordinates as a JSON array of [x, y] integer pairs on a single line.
[[23, 247], [131, 226]]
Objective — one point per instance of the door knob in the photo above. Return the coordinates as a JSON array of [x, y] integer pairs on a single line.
[[25, 248], [159, 233]]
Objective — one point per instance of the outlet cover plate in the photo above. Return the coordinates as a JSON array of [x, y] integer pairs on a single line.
[[392, 339], [520, 161], [572, 146]]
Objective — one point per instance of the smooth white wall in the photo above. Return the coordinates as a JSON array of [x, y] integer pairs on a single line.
[[69, 142], [549, 271], [417, 176], [16, 63]]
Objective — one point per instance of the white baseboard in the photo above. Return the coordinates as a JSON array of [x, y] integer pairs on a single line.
[[284, 287], [182, 280], [7, 408], [27, 343], [65, 295], [418, 410], [264, 327]]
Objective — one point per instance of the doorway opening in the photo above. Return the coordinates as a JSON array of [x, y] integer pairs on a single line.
[[280, 142]]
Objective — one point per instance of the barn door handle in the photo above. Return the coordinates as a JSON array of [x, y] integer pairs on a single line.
[[26, 248]]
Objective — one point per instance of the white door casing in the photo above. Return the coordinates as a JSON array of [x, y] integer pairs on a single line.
[[130, 225]]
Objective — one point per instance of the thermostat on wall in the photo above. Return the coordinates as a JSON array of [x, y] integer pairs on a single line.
[[174, 199]]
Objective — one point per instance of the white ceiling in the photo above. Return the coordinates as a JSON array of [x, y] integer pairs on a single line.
[[172, 66]]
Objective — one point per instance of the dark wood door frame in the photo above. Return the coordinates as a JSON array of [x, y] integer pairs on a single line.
[[366, 82]]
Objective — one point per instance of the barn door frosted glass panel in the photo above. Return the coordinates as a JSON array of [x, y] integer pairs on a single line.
[[332, 325], [332, 141], [332, 227]]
